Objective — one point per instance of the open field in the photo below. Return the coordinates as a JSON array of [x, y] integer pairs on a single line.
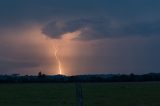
[[95, 94]]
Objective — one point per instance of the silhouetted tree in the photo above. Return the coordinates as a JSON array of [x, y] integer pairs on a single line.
[[40, 74]]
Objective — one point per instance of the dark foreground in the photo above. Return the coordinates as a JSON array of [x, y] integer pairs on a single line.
[[95, 94]]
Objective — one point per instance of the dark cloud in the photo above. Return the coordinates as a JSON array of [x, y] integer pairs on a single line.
[[123, 19], [23, 11], [143, 28], [99, 28], [89, 28]]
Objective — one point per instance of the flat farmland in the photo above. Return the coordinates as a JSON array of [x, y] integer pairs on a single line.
[[94, 94]]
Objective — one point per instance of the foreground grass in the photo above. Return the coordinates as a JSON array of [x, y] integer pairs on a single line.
[[95, 94], [122, 94], [37, 95]]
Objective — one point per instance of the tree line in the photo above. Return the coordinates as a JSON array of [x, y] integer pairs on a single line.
[[42, 78]]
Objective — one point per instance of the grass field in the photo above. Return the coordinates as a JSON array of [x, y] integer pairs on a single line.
[[95, 94]]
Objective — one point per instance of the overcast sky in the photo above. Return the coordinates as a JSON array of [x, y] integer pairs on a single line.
[[93, 37]]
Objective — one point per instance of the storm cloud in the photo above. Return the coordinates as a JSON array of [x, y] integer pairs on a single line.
[[99, 28], [20, 12], [121, 36]]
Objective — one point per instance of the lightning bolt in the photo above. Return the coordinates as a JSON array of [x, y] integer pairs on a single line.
[[58, 60]]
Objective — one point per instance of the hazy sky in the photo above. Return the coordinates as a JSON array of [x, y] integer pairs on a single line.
[[92, 36]]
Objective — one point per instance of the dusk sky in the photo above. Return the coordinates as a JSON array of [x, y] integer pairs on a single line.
[[92, 36]]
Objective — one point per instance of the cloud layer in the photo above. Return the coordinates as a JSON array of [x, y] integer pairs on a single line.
[[128, 33], [99, 28]]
